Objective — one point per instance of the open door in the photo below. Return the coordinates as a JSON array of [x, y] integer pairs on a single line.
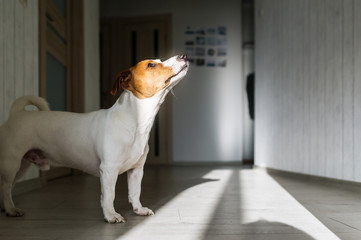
[[61, 60], [125, 42]]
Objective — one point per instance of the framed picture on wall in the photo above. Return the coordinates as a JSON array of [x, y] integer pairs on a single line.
[[206, 46]]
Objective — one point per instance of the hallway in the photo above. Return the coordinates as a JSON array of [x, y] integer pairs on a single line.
[[193, 203]]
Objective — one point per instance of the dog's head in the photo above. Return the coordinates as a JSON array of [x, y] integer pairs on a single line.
[[149, 77]]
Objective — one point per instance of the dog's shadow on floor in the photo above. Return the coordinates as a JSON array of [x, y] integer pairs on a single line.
[[70, 207], [160, 185]]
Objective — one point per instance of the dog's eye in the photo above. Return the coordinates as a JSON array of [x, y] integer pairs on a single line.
[[151, 65]]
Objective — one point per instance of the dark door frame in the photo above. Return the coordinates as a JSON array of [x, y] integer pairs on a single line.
[[69, 52]]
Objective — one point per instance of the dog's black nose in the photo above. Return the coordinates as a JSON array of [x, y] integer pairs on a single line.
[[183, 57]]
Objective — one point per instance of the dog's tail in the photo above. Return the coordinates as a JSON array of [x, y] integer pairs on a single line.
[[22, 102]]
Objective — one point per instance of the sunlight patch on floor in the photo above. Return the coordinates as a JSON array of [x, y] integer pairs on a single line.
[[263, 199], [188, 213], [239, 204]]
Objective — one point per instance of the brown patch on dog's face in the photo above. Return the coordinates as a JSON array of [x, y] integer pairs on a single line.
[[145, 79]]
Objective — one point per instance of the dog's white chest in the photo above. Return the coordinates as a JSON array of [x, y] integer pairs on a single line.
[[133, 155]]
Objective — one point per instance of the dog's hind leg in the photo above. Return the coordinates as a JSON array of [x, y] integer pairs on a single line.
[[7, 182], [23, 167]]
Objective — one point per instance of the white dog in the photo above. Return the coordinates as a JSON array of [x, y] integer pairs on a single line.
[[104, 143]]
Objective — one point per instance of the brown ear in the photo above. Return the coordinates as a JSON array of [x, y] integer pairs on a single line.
[[122, 79]]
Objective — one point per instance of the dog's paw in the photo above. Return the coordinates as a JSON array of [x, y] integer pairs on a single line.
[[15, 212], [114, 218], [143, 211]]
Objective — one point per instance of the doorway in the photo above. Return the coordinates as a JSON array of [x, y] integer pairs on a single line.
[[124, 42], [61, 66]]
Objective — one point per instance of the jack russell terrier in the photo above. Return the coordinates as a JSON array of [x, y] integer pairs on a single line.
[[104, 143]]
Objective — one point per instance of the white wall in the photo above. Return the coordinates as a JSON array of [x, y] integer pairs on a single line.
[[19, 65], [308, 87], [207, 109], [91, 58]]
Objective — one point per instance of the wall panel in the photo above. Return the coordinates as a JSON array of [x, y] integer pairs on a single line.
[[308, 87], [18, 52], [9, 54], [348, 93], [357, 89], [333, 88], [18, 57]]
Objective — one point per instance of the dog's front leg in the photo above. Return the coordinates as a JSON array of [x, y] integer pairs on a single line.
[[134, 186], [108, 179]]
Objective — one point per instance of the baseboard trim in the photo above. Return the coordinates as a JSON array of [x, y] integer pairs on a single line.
[[308, 177], [186, 163]]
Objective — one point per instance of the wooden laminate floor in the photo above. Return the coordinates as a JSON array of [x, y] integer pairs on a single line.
[[192, 203]]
